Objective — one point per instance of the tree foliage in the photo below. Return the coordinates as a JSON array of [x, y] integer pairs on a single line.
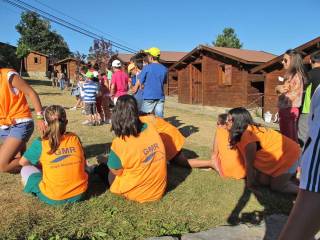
[[36, 35], [100, 52], [228, 38], [8, 56]]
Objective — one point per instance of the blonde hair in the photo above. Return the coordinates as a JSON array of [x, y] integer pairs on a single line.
[[56, 120]]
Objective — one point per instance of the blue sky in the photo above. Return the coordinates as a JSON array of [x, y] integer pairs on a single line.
[[176, 25]]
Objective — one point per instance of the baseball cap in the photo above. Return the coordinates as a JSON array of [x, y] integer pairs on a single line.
[[116, 63], [154, 51], [89, 75], [131, 67]]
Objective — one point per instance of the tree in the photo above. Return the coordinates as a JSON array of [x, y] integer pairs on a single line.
[[228, 38], [36, 35], [8, 57], [100, 52]]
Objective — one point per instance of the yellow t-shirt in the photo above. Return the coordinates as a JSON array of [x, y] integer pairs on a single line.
[[143, 161], [64, 173], [172, 139], [277, 154]]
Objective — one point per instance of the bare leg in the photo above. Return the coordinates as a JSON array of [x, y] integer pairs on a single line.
[[193, 163], [303, 222], [283, 184], [8, 150]]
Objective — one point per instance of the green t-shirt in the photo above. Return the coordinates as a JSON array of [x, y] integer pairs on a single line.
[[307, 100]]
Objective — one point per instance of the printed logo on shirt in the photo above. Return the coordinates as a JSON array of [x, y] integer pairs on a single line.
[[65, 152], [150, 152], [59, 159]]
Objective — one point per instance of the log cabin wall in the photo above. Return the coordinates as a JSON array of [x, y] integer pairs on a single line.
[[218, 93], [183, 86], [271, 98], [255, 85]]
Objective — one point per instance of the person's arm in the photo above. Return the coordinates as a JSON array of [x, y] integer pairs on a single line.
[[33, 153], [113, 89], [135, 88], [250, 154], [19, 83], [143, 75], [114, 164], [295, 87]]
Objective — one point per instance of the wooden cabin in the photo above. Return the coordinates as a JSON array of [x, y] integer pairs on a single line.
[[68, 66], [36, 65], [219, 76], [273, 69]]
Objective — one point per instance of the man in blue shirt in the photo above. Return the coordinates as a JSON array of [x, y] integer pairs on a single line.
[[152, 78]]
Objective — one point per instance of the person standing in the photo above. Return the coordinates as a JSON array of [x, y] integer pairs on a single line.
[[62, 80], [313, 83], [119, 81], [290, 94], [303, 221], [152, 78]]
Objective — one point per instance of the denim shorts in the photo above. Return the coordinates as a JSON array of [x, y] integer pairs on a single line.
[[21, 131]]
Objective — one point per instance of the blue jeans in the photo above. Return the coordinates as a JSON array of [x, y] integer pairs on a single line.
[[21, 131], [61, 83], [153, 106]]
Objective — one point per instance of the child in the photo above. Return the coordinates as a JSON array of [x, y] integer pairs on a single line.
[[135, 69], [119, 81], [91, 90], [63, 178], [137, 158], [16, 124], [103, 99], [270, 158], [173, 141]]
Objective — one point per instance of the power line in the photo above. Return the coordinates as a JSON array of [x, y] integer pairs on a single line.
[[81, 22], [75, 26], [26, 7]]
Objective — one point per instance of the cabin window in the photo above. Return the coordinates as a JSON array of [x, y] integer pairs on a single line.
[[36, 60], [225, 75]]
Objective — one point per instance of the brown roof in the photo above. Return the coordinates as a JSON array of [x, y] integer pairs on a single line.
[[66, 60], [39, 53], [167, 56], [250, 57], [306, 48]]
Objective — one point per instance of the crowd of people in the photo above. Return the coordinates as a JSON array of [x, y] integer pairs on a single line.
[[54, 167]]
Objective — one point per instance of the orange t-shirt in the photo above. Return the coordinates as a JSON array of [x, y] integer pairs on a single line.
[[64, 173], [13, 103], [143, 161], [230, 161], [172, 139], [277, 154]]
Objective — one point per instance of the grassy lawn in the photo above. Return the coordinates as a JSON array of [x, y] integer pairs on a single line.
[[196, 200]]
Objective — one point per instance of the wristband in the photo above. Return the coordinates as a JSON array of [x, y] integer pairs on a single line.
[[39, 116]]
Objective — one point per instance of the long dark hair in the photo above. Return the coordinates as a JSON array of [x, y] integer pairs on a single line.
[[296, 65], [125, 117], [241, 118]]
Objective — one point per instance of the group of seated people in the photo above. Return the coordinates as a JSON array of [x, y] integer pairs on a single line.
[[143, 145]]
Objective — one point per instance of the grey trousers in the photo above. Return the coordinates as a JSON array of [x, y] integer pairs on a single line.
[[303, 128]]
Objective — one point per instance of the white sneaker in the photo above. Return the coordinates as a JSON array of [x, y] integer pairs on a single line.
[[85, 122]]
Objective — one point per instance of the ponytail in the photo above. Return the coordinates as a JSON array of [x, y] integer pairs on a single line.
[[56, 120]]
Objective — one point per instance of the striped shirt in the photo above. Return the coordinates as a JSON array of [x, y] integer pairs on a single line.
[[90, 91], [310, 159]]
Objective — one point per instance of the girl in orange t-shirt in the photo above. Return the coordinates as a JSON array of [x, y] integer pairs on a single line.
[[16, 123], [270, 157], [137, 160], [62, 178]]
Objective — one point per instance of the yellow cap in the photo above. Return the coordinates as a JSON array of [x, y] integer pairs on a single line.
[[155, 52], [131, 67]]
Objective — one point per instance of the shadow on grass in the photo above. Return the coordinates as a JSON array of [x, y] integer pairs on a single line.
[[188, 130], [174, 121], [273, 203], [48, 94], [39, 82], [97, 149], [178, 174]]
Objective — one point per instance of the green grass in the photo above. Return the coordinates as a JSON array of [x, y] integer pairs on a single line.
[[196, 200]]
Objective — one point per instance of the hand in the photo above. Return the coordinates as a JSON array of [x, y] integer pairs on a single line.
[[41, 126]]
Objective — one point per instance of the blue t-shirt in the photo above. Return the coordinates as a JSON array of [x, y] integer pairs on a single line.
[[153, 77], [90, 90]]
